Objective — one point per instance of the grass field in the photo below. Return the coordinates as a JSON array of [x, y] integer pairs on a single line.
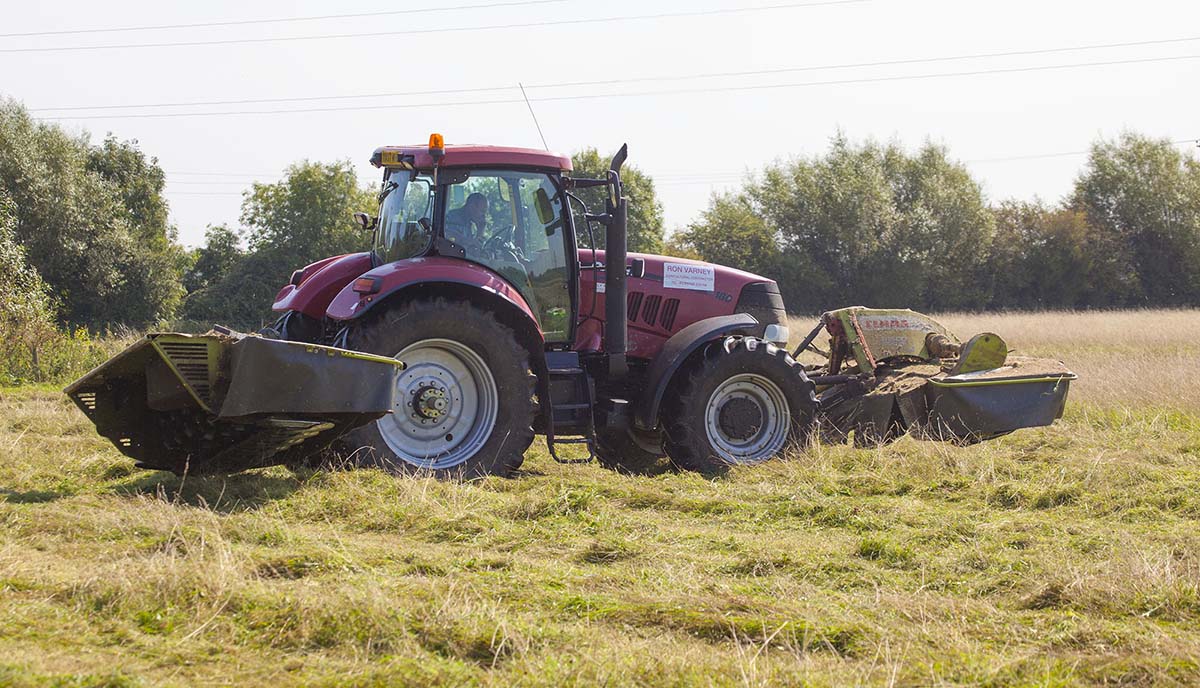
[[1060, 556]]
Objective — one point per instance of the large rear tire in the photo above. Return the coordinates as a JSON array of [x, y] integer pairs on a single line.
[[464, 405], [742, 402]]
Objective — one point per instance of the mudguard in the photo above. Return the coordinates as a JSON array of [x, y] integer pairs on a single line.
[[319, 283], [675, 351], [427, 271]]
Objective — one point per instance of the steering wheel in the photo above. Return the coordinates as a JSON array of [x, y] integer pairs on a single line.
[[502, 241]]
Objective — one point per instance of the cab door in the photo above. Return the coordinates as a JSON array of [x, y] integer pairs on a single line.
[[521, 234]]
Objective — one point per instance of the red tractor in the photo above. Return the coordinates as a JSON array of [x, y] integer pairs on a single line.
[[479, 319], [509, 327]]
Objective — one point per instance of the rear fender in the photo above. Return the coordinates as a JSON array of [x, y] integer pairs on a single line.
[[402, 274], [320, 282], [675, 352]]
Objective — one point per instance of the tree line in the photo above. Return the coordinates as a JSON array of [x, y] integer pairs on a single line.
[[872, 224], [85, 239]]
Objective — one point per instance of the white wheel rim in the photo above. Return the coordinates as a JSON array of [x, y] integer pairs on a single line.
[[756, 441], [445, 406]]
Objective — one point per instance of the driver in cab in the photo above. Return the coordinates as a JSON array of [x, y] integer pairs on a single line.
[[465, 225]]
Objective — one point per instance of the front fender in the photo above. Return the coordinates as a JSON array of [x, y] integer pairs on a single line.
[[677, 349], [320, 282], [393, 277]]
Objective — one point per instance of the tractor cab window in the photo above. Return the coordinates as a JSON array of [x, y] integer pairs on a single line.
[[512, 222], [405, 217]]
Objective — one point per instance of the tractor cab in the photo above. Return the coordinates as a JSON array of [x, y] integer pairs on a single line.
[[473, 203]]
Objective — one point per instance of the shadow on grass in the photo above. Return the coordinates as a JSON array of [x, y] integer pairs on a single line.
[[30, 496], [235, 493]]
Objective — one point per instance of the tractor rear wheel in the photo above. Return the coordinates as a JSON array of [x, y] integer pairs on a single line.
[[742, 402], [464, 404]]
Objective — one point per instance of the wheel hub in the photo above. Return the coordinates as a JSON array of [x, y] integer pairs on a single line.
[[430, 403], [740, 418]]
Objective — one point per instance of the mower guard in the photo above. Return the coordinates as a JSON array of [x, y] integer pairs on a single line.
[[226, 402], [970, 407]]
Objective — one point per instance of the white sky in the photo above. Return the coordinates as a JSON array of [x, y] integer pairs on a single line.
[[693, 143]]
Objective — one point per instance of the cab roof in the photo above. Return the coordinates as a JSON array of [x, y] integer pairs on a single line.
[[477, 156]]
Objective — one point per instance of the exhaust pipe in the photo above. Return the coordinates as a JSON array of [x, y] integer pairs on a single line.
[[615, 250]]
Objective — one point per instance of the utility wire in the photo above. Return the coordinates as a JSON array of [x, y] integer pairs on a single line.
[[454, 29], [281, 20], [714, 177], [223, 174], [606, 82], [638, 94], [1062, 154]]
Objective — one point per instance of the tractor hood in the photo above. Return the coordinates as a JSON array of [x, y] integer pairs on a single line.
[[312, 287], [672, 294]]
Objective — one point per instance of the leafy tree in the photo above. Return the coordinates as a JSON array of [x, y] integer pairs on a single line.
[[1142, 196], [92, 221], [865, 223], [288, 224], [730, 232], [139, 184], [214, 260], [26, 308], [1041, 257], [645, 210], [307, 215]]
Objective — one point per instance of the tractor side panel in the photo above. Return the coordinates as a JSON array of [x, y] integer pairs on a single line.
[[393, 277], [320, 283], [674, 293]]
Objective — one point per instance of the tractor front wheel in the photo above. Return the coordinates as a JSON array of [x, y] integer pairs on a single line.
[[464, 404], [742, 402]]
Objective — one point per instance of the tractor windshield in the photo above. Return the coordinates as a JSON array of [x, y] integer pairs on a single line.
[[405, 217]]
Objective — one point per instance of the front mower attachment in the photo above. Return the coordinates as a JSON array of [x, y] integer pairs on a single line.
[[891, 372], [225, 402]]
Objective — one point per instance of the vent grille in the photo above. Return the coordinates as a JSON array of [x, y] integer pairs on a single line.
[[650, 311], [633, 303], [191, 359], [670, 308]]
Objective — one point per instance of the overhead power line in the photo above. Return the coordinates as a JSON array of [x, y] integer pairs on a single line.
[[223, 174], [1062, 154], [453, 29], [707, 177], [637, 94], [282, 20], [606, 82]]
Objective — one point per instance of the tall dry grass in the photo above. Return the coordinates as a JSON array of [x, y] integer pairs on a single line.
[[1125, 359], [1055, 556]]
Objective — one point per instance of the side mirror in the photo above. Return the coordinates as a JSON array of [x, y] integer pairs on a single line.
[[365, 221], [543, 206]]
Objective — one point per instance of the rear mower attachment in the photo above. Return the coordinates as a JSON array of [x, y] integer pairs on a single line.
[[225, 402], [891, 372]]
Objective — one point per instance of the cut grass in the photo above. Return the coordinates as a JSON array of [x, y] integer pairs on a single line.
[[1061, 556]]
